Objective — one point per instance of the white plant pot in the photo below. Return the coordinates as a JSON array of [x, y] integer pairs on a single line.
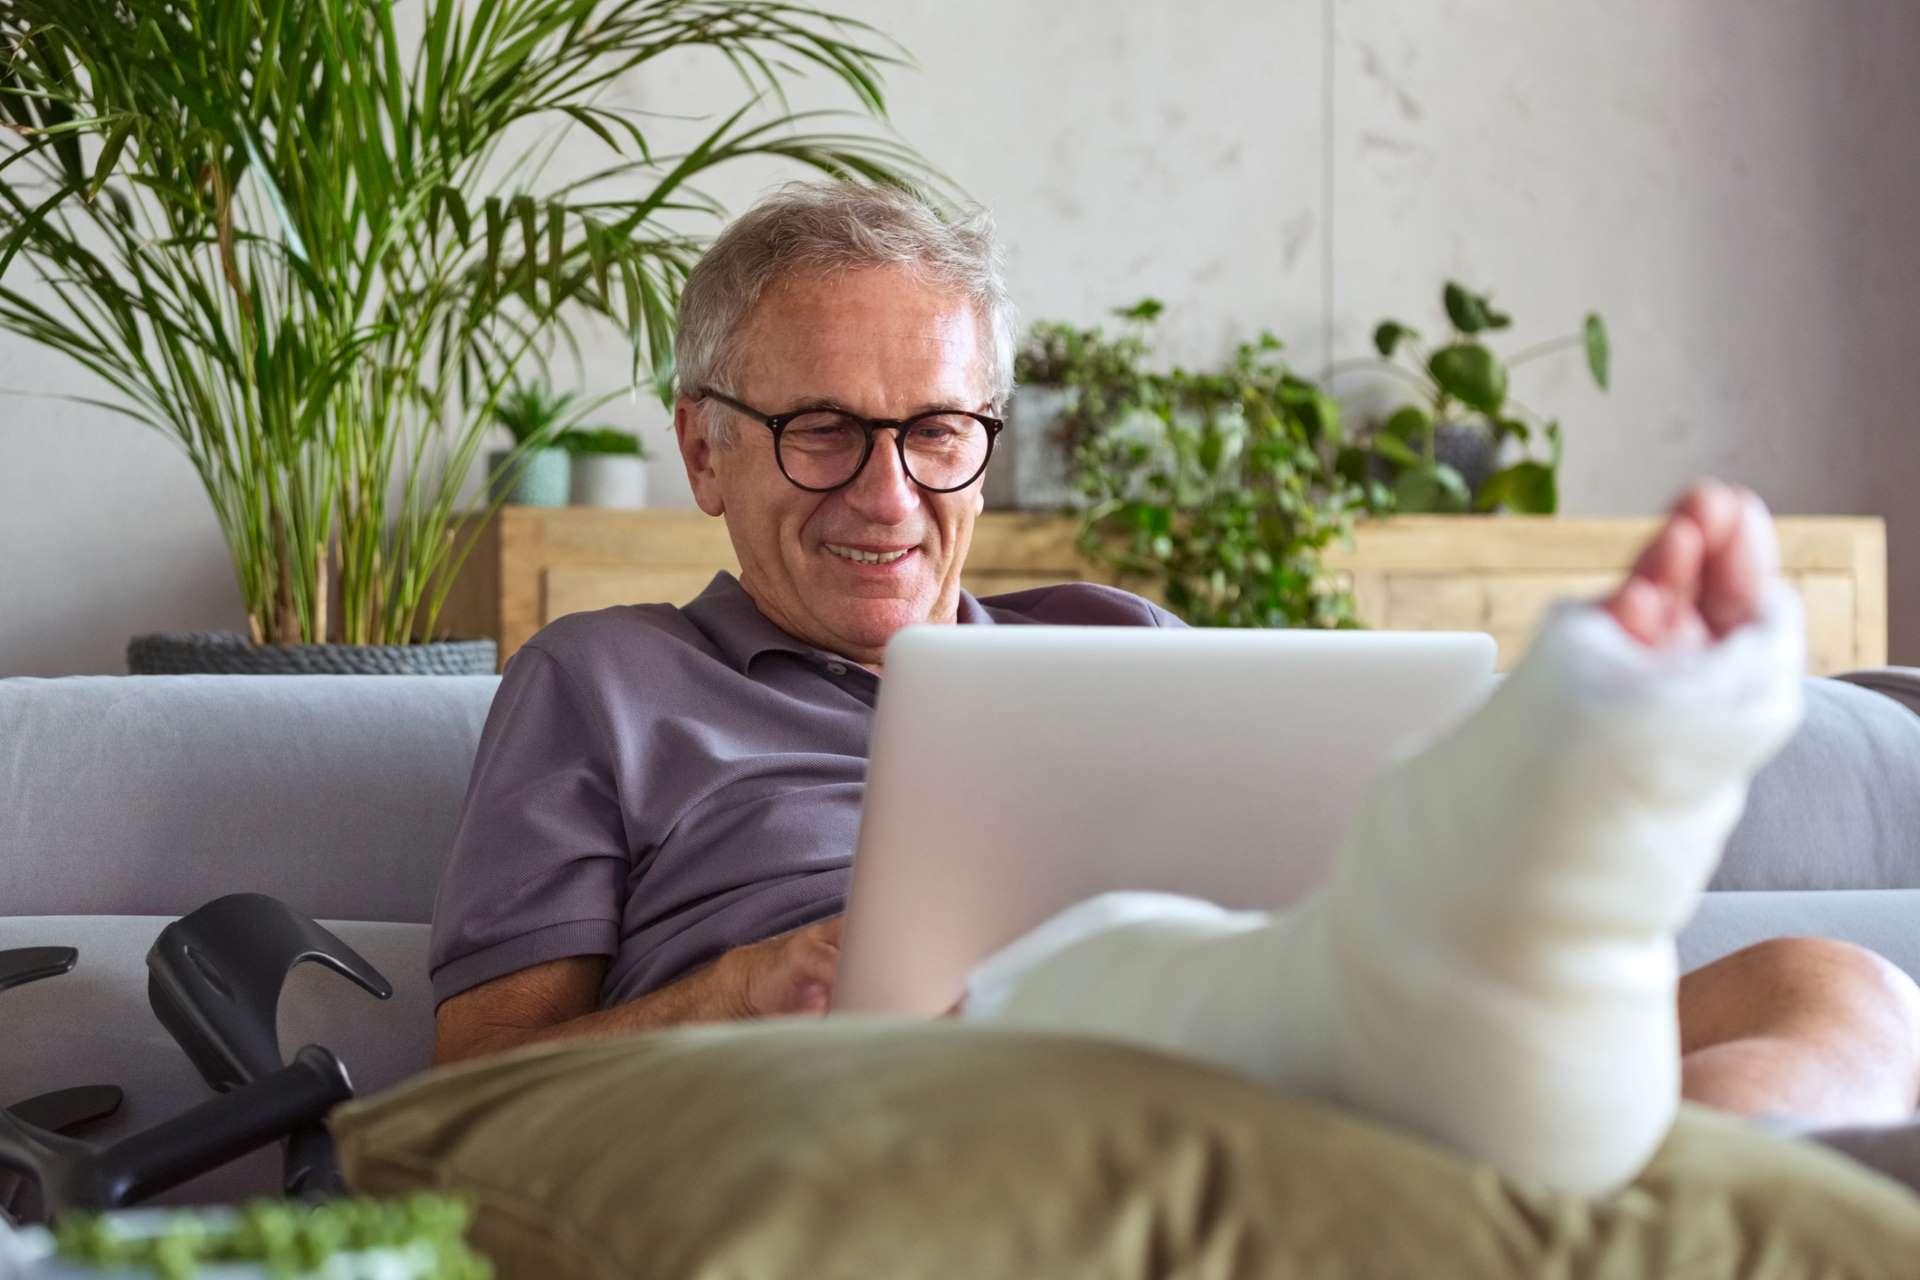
[[609, 480]]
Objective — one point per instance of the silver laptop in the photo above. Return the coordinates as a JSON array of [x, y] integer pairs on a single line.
[[1017, 770]]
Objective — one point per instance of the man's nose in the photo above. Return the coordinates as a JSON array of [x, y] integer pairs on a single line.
[[883, 491]]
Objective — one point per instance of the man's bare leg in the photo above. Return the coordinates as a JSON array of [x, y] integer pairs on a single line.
[[1491, 962], [1824, 1032]]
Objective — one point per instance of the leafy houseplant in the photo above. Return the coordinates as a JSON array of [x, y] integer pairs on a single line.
[[608, 467], [1066, 377], [1217, 487], [421, 1236], [534, 472], [1442, 454], [313, 259], [602, 442]]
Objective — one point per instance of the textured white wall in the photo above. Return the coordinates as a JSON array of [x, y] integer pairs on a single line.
[[1731, 183]]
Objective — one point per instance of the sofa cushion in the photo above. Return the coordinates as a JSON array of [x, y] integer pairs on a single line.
[[94, 1026], [150, 795], [875, 1148], [1839, 807]]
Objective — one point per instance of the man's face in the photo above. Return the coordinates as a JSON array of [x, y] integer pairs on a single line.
[[881, 344]]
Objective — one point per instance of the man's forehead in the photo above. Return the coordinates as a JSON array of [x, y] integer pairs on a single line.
[[865, 324], [857, 308]]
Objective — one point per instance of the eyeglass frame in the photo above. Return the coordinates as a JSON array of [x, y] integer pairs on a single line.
[[777, 423]]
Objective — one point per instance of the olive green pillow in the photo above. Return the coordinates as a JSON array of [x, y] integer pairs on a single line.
[[882, 1149]]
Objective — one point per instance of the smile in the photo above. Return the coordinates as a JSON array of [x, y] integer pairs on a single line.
[[858, 556]]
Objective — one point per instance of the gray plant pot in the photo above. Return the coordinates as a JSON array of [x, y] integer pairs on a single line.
[[231, 654], [1469, 450], [542, 481], [1031, 467]]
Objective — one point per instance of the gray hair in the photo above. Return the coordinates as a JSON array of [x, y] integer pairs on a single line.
[[822, 228]]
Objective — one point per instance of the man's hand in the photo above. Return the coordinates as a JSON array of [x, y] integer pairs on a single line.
[[791, 974], [788, 974]]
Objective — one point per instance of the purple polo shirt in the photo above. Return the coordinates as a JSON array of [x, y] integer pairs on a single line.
[[659, 785]]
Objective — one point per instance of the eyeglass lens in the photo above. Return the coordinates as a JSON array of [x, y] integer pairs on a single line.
[[943, 451]]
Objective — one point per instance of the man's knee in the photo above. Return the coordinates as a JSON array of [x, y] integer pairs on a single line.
[[1806, 985]]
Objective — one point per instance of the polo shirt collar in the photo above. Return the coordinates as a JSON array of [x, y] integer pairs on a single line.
[[727, 615]]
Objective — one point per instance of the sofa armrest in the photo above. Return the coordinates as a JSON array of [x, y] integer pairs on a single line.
[[1882, 920]]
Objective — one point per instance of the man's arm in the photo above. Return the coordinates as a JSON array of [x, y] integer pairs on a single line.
[[789, 974]]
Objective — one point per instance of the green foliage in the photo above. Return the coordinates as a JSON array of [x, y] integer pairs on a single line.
[[1464, 384], [290, 1237], [314, 260], [536, 415], [1215, 486], [1387, 337], [1599, 352], [1469, 373], [602, 440]]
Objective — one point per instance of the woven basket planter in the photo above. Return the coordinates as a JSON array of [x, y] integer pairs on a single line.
[[228, 653]]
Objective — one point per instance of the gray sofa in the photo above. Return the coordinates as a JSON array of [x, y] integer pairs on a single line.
[[126, 802]]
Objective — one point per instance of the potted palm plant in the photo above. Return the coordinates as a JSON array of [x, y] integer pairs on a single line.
[[311, 250]]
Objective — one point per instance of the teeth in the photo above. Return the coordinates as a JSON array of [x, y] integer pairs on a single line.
[[865, 557]]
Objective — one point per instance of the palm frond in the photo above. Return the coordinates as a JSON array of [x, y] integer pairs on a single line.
[[280, 236]]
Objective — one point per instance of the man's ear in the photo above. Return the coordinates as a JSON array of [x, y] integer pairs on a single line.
[[698, 455]]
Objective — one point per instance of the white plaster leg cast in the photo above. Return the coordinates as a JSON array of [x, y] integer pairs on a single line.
[[1491, 961]]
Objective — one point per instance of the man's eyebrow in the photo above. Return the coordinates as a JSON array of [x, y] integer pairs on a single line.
[[828, 404], [810, 403]]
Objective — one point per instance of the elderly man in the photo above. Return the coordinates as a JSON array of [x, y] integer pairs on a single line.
[[665, 800]]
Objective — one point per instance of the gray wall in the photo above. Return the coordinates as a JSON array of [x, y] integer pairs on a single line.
[[1731, 182]]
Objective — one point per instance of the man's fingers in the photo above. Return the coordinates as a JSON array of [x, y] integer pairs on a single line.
[[816, 961], [796, 970]]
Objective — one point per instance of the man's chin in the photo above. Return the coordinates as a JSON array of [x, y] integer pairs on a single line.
[[869, 621]]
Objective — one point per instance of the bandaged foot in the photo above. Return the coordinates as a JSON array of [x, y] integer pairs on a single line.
[[1491, 960]]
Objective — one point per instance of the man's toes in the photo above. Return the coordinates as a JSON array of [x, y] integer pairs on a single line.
[[1703, 573], [1716, 509], [1641, 610], [1655, 605], [1673, 559], [1735, 573]]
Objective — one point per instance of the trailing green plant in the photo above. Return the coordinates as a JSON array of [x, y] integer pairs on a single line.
[[1463, 386], [1216, 487], [313, 260], [602, 441], [1104, 374], [290, 1238]]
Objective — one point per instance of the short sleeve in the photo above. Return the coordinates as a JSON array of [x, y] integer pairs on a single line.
[[540, 858], [1164, 617]]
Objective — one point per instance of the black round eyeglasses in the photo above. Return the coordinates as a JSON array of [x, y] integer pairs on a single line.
[[823, 449]]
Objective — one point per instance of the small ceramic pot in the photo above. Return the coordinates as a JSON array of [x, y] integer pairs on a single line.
[[609, 480], [541, 481]]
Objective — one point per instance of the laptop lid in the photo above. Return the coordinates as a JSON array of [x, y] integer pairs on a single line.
[[1015, 771]]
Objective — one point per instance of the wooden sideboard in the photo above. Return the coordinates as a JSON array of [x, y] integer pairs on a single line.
[[1475, 573]]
